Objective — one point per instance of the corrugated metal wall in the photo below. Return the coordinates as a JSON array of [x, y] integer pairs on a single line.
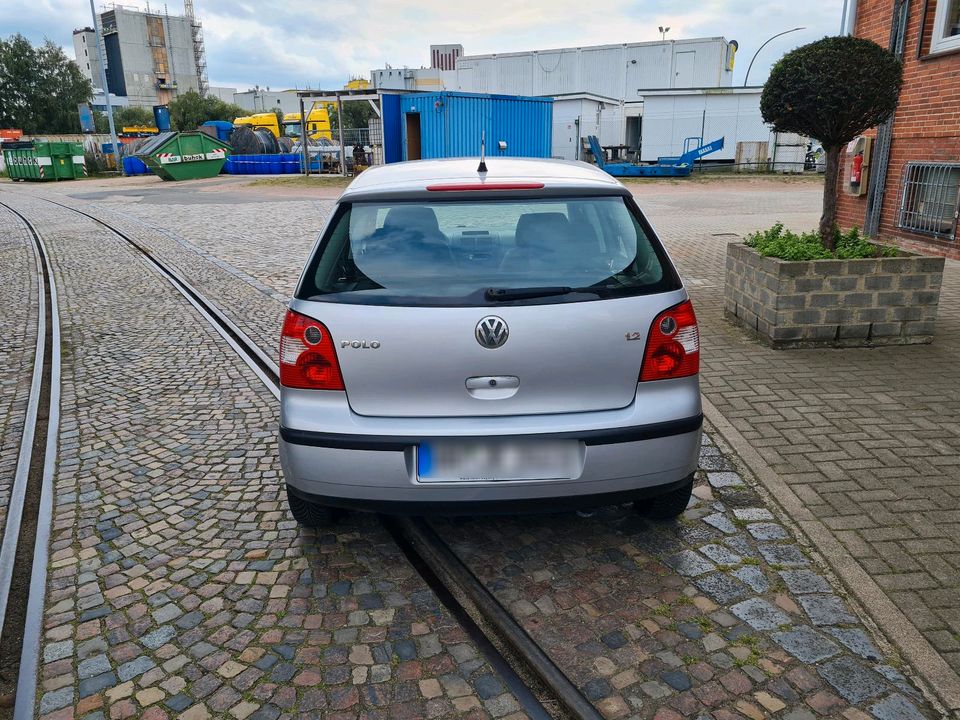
[[616, 71], [451, 124]]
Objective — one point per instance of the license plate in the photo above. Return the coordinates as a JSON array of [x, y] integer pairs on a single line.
[[497, 460]]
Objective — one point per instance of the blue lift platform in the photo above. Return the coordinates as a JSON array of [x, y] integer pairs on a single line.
[[681, 166]]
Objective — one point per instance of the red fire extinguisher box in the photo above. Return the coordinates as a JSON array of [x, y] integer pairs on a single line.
[[856, 172]]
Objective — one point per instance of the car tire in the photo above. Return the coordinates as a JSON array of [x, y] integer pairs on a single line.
[[310, 514], [667, 506]]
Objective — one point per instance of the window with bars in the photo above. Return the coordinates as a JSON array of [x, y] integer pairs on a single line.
[[930, 199]]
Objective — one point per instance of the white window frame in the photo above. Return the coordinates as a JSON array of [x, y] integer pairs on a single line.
[[941, 41]]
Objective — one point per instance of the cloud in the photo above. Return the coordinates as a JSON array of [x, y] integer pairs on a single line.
[[289, 43]]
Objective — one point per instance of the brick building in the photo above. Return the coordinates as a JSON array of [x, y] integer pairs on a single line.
[[911, 194]]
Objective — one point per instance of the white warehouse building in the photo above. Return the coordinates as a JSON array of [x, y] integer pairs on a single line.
[[622, 72]]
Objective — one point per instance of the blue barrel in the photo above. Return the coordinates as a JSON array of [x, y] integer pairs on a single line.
[[161, 115], [133, 165], [275, 164]]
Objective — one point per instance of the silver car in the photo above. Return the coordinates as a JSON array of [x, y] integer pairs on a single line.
[[465, 341]]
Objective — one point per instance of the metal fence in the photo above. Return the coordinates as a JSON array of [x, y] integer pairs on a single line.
[[353, 136], [930, 199]]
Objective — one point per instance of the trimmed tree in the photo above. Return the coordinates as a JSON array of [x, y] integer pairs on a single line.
[[832, 90]]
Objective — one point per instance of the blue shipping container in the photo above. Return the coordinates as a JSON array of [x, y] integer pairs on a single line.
[[223, 128], [449, 124]]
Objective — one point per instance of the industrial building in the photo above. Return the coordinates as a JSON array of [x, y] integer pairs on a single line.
[[260, 100], [642, 100], [85, 51], [151, 57], [620, 71]]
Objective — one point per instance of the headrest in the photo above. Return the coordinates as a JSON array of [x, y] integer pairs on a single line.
[[411, 217], [547, 227]]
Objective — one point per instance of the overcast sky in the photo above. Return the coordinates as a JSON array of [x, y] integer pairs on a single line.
[[321, 44]]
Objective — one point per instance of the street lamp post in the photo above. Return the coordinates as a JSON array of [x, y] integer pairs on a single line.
[[663, 32], [106, 90], [763, 46]]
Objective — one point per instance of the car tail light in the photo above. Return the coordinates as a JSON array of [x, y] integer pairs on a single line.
[[307, 356], [673, 345]]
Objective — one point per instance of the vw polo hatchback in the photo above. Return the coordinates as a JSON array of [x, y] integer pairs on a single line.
[[465, 341]]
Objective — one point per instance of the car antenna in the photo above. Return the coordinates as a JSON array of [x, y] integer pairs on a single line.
[[482, 168]]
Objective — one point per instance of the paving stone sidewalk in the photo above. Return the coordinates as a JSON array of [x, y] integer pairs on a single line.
[[179, 586], [722, 615], [868, 439]]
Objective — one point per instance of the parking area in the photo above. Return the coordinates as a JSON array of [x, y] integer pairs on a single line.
[[816, 573]]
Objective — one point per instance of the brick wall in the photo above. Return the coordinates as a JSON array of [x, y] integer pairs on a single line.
[[926, 126], [882, 301]]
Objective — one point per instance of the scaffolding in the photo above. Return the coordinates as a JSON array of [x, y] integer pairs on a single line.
[[199, 54]]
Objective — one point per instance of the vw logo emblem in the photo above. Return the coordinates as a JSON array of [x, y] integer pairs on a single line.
[[492, 332]]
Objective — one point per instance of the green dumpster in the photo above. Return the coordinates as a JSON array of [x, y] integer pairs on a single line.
[[42, 161], [184, 156]]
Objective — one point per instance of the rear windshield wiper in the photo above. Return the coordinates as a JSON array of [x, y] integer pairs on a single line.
[[506, 294]]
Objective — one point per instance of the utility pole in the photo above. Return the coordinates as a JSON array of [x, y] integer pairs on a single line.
[[106, 90]]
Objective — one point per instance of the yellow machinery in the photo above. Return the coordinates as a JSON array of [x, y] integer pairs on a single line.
[[139, 130], [266, 121], [318, 124]]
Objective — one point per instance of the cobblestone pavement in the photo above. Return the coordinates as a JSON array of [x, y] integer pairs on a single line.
[[867, 439], [721, 613], [18, 328], [179, 585], [18, 336]]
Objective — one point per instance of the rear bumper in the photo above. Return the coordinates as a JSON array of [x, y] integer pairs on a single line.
[[606, 436], [491, 507], [379, 471]]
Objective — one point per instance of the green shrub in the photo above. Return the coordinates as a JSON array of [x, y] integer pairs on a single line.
[[787, 245]]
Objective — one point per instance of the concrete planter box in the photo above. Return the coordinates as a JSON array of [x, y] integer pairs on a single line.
[[840, 303]]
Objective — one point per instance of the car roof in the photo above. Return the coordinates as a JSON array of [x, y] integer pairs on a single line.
[[414, 177]]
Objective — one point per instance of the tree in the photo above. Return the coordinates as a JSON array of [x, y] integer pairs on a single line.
[[124, 117], [832, 90], [40, 87], [356, 113], [189, 110]]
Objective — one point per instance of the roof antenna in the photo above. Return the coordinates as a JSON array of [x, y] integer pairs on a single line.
[[482, 168]]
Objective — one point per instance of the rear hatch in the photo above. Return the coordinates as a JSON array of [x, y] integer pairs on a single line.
[[488, 306]]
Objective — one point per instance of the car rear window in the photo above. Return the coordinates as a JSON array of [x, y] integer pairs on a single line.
[[486, 252]]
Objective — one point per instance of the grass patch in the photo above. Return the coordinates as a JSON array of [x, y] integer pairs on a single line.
[[788, 245], [301, 181]]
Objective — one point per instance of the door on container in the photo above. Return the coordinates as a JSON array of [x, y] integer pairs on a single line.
[[566, 138], [684, 66], [633, 135], [413, 136]]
